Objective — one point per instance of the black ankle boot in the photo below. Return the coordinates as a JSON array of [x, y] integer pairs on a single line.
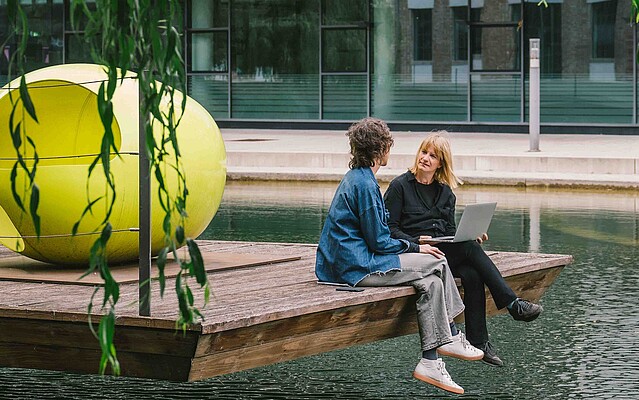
[[490, 355], [523, 310]]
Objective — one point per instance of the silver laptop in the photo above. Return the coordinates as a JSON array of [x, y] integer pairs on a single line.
[[474, 222]]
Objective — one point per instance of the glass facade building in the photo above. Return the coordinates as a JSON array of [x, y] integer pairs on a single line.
[[456, 63]]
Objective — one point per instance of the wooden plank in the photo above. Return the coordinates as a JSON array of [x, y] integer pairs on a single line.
[[78, 360], [69, 346], [305, 324], [131, 320], [288, 347], [20, 268], [64, 333]]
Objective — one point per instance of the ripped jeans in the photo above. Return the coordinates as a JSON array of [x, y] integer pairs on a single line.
[[438, 299]]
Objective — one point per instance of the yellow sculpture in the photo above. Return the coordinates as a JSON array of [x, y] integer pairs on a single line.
[[67, 138]]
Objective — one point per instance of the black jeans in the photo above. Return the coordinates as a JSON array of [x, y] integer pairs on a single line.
[[469, 262]]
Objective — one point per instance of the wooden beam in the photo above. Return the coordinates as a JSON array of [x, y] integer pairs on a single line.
[[279, 341], [70, 346]]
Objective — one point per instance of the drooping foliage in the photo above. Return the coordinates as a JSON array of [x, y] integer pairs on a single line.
[[133, 35]]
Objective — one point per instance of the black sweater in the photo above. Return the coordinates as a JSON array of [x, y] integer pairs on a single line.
[[410, 217]]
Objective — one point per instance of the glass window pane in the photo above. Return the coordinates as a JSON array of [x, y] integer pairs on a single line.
[[208, 52], [496, 98], [77, 50], [400, 99], [501, 52], [208, 14], [290, 96], [544, 23], [44, 45], [422, 34], [344, 50], [460, 32], [581, 99], [279, 36], [603, 28], [344, 97], [212, 92], [340, 12], [410, 81], [275, 62], [576, 85]]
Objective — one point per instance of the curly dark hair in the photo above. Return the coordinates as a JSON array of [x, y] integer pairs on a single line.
[[370, 138]]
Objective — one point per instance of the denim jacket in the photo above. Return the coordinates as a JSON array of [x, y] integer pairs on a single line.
[[355, 241]]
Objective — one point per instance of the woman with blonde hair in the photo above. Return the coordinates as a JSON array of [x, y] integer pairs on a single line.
[[421, 205], [441, 146]]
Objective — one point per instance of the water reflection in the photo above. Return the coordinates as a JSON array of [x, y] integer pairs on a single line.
[[584, 345]]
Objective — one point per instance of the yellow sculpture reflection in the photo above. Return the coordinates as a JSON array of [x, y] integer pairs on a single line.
[[67, 138]]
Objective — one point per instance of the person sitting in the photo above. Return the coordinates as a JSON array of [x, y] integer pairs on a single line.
[[421, 205], [356, 248]]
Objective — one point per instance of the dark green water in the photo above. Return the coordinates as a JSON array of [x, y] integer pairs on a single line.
[[584, 346]]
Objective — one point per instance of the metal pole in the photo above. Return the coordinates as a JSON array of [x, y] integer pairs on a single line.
[[534, 95], [144, 234]]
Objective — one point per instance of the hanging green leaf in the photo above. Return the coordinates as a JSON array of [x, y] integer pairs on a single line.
[[36, 160], [198, 262], [106, 333], [33, 208], [87, 209], [161, 263], [186, 315], [15, 130], [14, 189], [26, 99], [179, 234]]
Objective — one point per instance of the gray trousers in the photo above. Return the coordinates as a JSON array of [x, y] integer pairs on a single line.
[[438, 299]]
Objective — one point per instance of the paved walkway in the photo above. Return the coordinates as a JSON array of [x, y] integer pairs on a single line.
[[479, 158]]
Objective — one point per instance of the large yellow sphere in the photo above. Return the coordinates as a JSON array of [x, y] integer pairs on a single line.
[[67, 138]]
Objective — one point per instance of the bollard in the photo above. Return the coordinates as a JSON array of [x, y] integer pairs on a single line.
[[533, 106]]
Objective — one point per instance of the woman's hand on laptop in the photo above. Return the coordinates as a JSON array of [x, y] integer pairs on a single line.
[[432, 250], [482, 238]]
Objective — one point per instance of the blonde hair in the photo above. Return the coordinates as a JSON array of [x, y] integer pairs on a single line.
[[441, 148]]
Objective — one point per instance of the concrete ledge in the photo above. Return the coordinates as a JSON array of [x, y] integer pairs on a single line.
[[469, 177], [524, 163]]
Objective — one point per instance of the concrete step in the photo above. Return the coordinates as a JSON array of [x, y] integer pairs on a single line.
[[522, 169], [526, 162], [469, 177]]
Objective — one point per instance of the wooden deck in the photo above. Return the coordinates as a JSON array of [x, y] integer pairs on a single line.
[[258, 315]]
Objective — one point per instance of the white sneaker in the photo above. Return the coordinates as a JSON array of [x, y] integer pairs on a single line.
[[461, 348], [434, 372]]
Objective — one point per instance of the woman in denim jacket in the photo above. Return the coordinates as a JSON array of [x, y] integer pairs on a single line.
[[356, 248], [421, 205]]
